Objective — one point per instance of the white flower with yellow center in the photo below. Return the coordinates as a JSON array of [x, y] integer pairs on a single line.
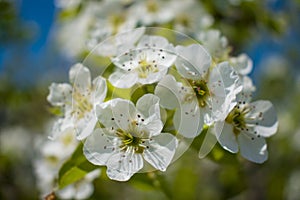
[[146, 64], [148, 12], [78, 101], [111, 18], [190, 16], [204, 96], [130, 135], [215, 43], [246, 127]]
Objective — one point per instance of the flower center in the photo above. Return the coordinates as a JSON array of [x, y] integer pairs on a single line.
[[81, 103], [145, 67], [201, 90], [237, 118], [130, 141], [116, 21], [152, 6]]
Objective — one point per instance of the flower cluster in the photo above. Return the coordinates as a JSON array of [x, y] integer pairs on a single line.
[[52, 155], [174, 88], [192, 87]]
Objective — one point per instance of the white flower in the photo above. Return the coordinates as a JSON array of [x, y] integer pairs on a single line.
[[130, 135], [215, 43], [246, 127], [115, 45], [14, 142], [243, 66], [81, 189], [190, 16], [78, 101], [51, 156], [111, 19], [145, 64], [152, 11], [71, 33], [206, 95]]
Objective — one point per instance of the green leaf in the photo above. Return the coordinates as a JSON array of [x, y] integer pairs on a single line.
[[75, 168]]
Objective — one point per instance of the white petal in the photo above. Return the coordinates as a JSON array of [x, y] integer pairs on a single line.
[[268, 124], [167, 91], [122, 79], [61, 125], [154, 77], [226, 137], [93, 175], [153, 41], [187, 120], [225, 85], [161, 151], [123, 165], [148, 105], [243, 64], [152, 127], [80, 76], [59, 94], [98, 147], [193, 61], [100, 90], [118, 112], [84, 190], [85, 126], [253, 150], [67, 193], [248, 89], [210, 140]]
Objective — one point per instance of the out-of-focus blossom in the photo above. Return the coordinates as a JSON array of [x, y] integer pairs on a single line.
[[77, 101]]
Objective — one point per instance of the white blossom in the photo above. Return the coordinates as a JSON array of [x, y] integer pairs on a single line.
[[77, 101], [145, 64], [215, 43], [246, 127], [130, 135], [148, 12], [205, 95]]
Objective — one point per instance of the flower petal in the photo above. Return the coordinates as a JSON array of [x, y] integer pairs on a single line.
[[167, 91], [226, 137], [83, 190], [122, 79], [253, 150], [187, 120], [123, 165], [193, 61], [59, 94], [224, 84], [148, 105], [60, 126], [267, 124], [161, 151], [116, 112], [98, 147], [85, 126], [80, 77], [243, 64], [100, 90]]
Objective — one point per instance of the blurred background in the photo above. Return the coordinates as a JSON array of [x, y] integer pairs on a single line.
[[40, 40]]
